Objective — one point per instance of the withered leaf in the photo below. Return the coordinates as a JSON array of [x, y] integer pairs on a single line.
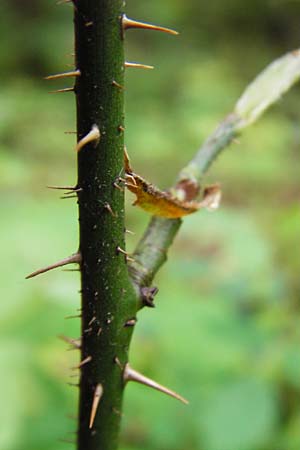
[[163, 203]]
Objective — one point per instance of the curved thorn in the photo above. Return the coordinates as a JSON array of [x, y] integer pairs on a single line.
[[130, 23], [132, 375], [93, 136], [75, 258], [118, 85], [96, 400], [137, 65], [73, 73]]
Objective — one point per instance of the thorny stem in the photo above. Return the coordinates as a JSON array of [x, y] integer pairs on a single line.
[[108, 298]]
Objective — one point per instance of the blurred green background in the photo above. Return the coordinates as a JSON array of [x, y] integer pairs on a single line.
[[225, 332]]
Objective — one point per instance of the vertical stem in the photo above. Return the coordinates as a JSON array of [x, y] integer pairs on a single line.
[[108, 299]]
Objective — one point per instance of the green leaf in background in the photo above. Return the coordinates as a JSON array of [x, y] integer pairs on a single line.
[[228, 307], [240, 417], [268, 87]]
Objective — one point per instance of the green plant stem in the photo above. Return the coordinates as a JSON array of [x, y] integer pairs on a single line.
[[108, 298], [151, 251]]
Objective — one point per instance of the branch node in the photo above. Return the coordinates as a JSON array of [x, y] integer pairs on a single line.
[[148, 294]]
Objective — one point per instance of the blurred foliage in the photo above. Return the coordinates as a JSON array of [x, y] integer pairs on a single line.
[[225, 332]]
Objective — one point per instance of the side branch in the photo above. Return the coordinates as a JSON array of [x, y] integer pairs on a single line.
[[151, 252], [263, 92]]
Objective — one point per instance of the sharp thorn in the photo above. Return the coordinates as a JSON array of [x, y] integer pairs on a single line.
[[129, 232], [130, 23], [73, 73], [82, 363], [118, 362], [75, 258], [93, 136], [109, 209], [120, 250], [117, 186], [96, 400], [76, 343], [127, 166], [64, 188], [135, 65], [133, 375], [65, 197], [61, 91], [73, 190], [118, 85], [128, 258]]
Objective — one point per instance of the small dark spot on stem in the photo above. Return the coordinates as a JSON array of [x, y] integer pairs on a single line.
[[148, 294]]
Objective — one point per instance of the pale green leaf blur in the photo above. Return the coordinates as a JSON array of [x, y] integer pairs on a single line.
[[225, 332], [268, 87]]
